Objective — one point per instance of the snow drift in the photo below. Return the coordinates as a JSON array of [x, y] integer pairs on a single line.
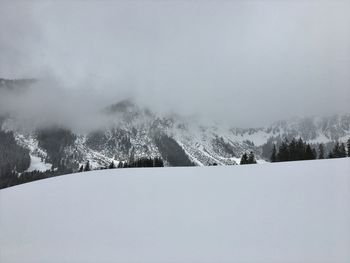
[[282, 212]]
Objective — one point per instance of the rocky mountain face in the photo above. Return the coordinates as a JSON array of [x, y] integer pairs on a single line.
[[135, 132]]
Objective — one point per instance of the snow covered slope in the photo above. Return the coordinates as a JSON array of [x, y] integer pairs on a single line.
[[281, 212], [133, 131]]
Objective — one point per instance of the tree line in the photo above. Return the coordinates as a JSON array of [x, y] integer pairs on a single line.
[[248, 158], [140, 162], [16, 178], [13, 157], [339, 150], [13, 177], [296, 150]]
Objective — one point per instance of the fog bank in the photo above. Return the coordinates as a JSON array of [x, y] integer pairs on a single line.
[[244, 63]]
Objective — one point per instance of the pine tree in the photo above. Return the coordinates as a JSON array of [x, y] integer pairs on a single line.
[[274, 153], [293, 153], [336, 150], [342, 150], [251, 158], [309, 154], [244, 159], [158, 162], [87, 166], [321, 151], [111, 165], [300, 155], [283, 152]]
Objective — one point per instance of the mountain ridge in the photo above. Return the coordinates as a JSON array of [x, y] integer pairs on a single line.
[[139, 132]]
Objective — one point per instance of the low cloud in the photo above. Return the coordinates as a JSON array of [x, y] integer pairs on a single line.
[[244, 63]]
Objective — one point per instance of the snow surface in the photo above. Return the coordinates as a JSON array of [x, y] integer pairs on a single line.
[[37, 164], [282, 212]]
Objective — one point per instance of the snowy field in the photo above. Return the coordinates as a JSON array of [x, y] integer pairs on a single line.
[[283, 212], [37, 164]]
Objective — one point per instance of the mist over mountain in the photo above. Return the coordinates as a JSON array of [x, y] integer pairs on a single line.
[[33, 104], [43, 103], [241, 63], [89, 82], [125, 131]]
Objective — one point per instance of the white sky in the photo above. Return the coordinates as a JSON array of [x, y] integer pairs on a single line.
[[241, 62]]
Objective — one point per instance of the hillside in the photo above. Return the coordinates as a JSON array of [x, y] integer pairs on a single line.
[[281, 212], [135, 131]]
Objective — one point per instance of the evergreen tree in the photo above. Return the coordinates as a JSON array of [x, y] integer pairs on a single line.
[[111, 165], [321, 151], [336, 150], [348, 143], [251, 158], [81, 168], [300, 155], [13, 158], [158, 162], [87, 166], [342, 150], [293, 151], [283, 152], [244, 159], [309, 154], [120, 165], [314, 152], [273, 155]]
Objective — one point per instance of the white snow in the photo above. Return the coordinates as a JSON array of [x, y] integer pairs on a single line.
[[37, 164], [273, 213]]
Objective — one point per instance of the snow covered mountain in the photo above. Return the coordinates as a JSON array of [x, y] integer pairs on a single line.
[[134, 132]]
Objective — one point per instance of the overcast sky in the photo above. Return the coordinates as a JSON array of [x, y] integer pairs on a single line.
[[241, 62]]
